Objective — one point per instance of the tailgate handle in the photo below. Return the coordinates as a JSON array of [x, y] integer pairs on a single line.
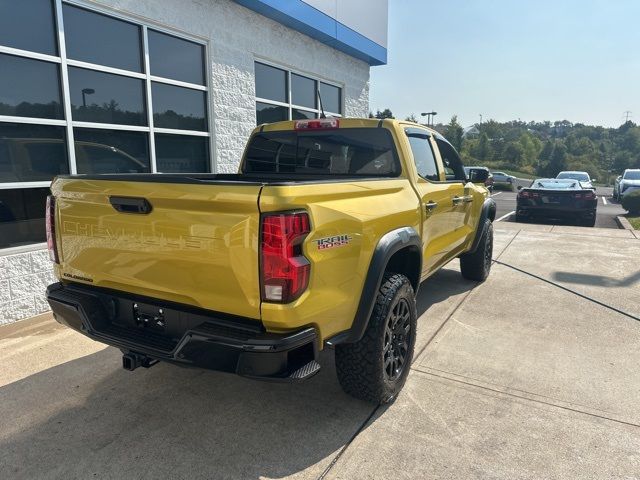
[[131, 205]]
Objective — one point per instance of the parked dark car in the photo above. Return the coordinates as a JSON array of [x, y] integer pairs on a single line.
[[557, 198]]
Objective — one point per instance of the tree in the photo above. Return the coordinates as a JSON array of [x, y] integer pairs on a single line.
[[484, 147], [514, 153], [386, 113], [412, 118], [454, 132], [558, 161]]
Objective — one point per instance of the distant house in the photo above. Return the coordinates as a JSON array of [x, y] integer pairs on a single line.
[[471, 132]]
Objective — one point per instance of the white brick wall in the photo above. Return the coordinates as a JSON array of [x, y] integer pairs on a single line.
[[23, 280], [237, 37]]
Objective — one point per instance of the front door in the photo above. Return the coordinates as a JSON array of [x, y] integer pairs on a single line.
[[441, 203]]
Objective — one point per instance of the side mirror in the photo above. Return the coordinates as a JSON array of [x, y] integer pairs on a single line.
[[478, 175], [519, 187], [594, 180], [619, 177]]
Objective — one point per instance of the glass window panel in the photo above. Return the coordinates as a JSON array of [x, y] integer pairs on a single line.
[[423, 158], [106, 98], [96, 38], [297, 114], [271, 83], [331, 98], [175, 58], [29, 88], [178, 107], [266, 113], [31, 153], [303, 91], [111, 151], [347, 151], [181, 153], [22, 216], [28, 25]]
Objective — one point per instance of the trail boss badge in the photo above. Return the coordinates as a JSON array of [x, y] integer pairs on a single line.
[[333, 242]]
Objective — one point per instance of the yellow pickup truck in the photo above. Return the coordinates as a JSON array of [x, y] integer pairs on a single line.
[[321, 239]]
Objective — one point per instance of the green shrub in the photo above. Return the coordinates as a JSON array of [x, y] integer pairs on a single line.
[[631, 202]]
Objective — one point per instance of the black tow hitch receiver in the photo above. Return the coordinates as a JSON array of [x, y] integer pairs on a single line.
[[131, 361]]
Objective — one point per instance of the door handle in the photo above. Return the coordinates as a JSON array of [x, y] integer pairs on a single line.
[[131, 205], [464, 199], [429, 206]]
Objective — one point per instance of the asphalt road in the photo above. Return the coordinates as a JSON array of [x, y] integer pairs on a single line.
[[608, 208]]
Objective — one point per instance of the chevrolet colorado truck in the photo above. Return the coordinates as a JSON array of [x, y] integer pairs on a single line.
[[321, 239]]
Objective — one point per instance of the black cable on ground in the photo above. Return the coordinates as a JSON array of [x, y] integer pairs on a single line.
[[562, 287]]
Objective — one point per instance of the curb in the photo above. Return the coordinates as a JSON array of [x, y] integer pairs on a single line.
[[623, 223]]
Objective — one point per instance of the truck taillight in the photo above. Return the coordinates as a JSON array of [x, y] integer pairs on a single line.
[[284, 269], [317, 124], [50, 225]]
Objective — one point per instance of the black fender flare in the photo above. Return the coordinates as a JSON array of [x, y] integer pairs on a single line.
[[488, 212], [389, 244]]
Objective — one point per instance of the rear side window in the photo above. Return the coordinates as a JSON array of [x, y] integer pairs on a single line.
[[363, 152]]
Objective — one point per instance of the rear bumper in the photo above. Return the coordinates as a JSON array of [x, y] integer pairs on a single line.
[[190, 337], [551, 211]]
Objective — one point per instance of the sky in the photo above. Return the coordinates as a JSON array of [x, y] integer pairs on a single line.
[[576, 60]]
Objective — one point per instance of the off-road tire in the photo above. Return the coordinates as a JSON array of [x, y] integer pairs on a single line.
[[363, 366], [477, 265], [520, 218]]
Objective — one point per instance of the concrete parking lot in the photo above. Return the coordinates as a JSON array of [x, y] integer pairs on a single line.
[[532, 374]]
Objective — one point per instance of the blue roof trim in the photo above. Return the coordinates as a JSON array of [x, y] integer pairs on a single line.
[[303, 17]]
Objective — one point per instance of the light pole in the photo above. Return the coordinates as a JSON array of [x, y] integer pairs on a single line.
[[86, 91], [429, 116], [480, 118]]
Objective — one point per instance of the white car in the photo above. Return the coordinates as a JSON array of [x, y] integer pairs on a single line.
[[582, 177], [628, 181]]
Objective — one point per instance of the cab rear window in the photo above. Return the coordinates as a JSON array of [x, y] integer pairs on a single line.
[[363, 152]]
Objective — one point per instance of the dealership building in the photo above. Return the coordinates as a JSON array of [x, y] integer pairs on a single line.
[[132, 86]]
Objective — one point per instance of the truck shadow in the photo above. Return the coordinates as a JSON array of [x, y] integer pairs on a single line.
[[438, 288], [88, 417]]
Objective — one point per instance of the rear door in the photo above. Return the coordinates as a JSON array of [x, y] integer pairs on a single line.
[[191, 243], [440, 214]]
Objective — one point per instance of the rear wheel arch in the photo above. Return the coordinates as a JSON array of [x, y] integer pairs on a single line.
[[397, 251], [408, 262]]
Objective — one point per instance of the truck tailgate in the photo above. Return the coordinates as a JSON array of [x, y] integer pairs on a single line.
[[197, 245]]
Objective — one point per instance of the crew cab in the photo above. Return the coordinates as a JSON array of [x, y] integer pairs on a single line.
[[321, 240]]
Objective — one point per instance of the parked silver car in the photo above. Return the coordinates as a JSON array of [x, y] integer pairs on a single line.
[[501, 177], [628, 180]]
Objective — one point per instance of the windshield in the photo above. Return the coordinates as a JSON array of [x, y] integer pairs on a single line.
[[348, 151], [635, 175], [582, 177], [555, 184]]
